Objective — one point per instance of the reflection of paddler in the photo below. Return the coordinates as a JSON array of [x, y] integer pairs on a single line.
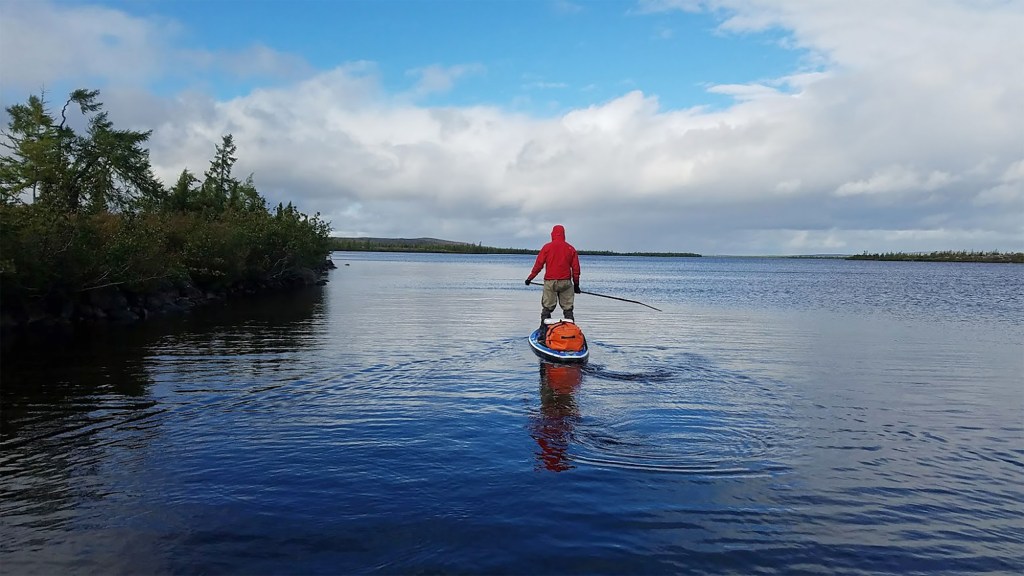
[[560, 378], [558, 414]]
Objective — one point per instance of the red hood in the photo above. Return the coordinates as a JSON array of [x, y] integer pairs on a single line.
[[558, 258]]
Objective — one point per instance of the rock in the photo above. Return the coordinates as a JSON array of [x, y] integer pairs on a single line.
[[306, 276], [118, 305], [122, 315]]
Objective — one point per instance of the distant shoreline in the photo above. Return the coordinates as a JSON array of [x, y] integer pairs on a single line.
[[945, 256], [437, 246]]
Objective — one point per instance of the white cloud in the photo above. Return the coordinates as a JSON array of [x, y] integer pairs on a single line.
[[540, 85], [436, 79], [649, 6], [44, 44], [906, 138], [789, 186], [744, 91], [1009, 192], [566, 7], [895, 179], [255, 61], [40, 42]]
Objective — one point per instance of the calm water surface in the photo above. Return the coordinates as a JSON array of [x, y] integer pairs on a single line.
[[778, 416]]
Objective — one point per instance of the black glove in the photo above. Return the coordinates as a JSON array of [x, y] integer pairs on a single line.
[[576, 288], [527, 281]]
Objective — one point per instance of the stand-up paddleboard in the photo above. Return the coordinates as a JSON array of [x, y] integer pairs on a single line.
[[542, 349]]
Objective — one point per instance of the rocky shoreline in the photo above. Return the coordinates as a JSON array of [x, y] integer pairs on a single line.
[[117, 305]]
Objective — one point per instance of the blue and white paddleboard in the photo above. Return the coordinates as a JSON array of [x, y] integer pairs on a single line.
[[577, 357]]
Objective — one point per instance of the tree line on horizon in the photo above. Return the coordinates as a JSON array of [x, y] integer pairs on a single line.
[[432, 245], [82, 210], [429, 245], [944, 256]]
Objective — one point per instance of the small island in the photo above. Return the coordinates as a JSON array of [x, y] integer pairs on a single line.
[[945, 256]]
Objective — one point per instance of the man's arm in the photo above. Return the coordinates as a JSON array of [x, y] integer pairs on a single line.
[[542, 257]]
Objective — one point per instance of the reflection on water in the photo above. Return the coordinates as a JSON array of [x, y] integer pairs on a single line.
[[82, 408], [777, 417], [553, 426]]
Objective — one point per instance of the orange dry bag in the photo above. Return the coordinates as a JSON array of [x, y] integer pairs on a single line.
[[564, 336]]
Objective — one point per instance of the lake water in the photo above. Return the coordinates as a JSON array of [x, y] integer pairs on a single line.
[[777, 416]]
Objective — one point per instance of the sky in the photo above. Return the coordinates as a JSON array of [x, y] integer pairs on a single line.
[[732, 127]]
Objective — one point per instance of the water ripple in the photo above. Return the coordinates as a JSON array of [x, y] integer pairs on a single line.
[[675, 414], [396, 421]]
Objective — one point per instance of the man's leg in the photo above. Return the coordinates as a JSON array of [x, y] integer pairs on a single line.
[[548, 301], [566, 298]]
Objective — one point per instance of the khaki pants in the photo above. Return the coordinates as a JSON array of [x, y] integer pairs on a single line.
[[557, 292]]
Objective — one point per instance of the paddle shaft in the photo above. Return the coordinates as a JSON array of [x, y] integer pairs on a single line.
[[607, 296]]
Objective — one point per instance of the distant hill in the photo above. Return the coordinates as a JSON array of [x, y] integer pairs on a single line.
[[434, 245], [401, 241], [819, 256]]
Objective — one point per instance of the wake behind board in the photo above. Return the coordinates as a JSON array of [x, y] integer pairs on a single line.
[[568, 356]]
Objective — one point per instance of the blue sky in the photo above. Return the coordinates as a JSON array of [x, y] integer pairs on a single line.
[[715, 126], [537, 56]]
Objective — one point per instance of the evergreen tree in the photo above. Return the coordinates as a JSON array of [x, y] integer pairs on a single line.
[[31, 140], [183, 196], [218, 183], [244, 197], [104, 169]]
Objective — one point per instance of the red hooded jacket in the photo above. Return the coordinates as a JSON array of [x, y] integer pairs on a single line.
[[558, 258]]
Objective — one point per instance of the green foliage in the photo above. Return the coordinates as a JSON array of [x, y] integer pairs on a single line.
[[219, 191], [103, 169], [243, 245], [219, 182], [32, 142], [47, 253], [184, 196], [945, 256], [400, 245], [80, 212]]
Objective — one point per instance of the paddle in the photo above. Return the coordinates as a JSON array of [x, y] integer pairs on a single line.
[[606, 296]]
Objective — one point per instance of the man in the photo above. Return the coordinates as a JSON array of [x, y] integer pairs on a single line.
[[561, 266]]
